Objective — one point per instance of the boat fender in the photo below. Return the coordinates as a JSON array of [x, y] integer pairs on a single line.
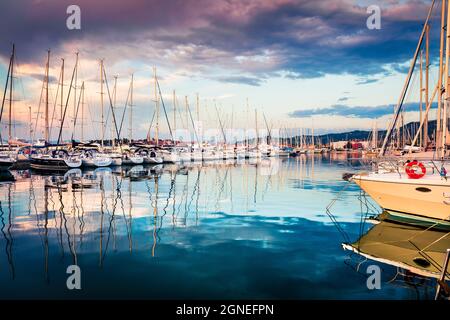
[[415, 169]]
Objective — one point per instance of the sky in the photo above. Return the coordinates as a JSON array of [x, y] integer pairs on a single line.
[[299, 63]]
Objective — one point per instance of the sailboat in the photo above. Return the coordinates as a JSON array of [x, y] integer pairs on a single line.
[[129, 157], [169, 154], [54, 158], [373, 144], [418, 192], [6, 158], [111, 152]]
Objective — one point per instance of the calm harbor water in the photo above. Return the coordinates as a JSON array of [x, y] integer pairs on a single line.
[[249, 230]]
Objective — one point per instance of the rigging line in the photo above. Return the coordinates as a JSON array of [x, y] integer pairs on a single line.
[[76, 112], [151, 124], [192, 122], [221, 125], [54, 106], [124, 109], [94, 128], [39, 110], [164, 107], [114, 93], [67, 103], [112, 109], [333, 218], [427, 256], [406, 85], [183, 124], [6, 88]]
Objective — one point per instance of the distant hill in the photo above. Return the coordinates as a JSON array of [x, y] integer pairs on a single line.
[[411, 128]]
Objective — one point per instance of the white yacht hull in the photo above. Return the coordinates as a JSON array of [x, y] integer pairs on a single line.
[[185, 156], [170, 157], [97, 162], [132, 160], [426, 198]]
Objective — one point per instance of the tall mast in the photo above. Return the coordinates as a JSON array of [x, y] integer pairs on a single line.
[[447, 84], [401, 99], [46, 137], [198, 108], [75, 106], [427, 67], [157, 107], [421, 99], [31, 125], [187, 112], [62, 90], [246, 135], [441, 72], [11, 94], [375, 134], [174, 112], [256, 124], [113, 140], [82, 114], [101, 99], [75, 86], [197, 129], [131, 109]]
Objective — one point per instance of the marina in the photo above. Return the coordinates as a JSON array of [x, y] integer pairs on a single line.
[[214, 157], [172, 231]]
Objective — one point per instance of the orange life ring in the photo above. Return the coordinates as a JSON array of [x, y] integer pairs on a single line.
[[415, 170]]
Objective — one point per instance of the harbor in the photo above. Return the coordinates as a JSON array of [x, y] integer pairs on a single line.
[[179, 165], [173, 231]]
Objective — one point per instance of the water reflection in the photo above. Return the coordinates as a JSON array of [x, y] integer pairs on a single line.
[[229, 230], [417, 250]]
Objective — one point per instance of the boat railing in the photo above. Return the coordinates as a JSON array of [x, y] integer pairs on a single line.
[[396, 164]]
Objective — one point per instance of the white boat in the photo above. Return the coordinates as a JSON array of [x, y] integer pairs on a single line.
[[116, 159], [184, 155], [229, 154], [253, 153], [7, 160], [132, 159], [56, 161], [285, 152], [241, 153], [427, 198], [95, 159], [150, 156], [416, 193], [153, 158], [197, 155]]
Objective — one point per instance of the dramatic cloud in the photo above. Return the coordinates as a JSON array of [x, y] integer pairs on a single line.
[[304, 38], [205, 45], [355, 112]]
